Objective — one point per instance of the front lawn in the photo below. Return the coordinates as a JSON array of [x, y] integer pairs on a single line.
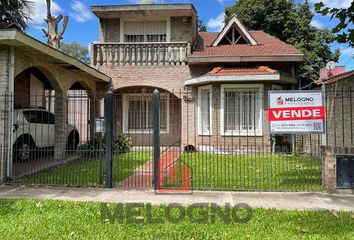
[[86, 172], [30, 219], [254, 171]]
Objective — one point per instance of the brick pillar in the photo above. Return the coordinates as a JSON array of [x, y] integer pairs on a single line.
[[60, 129], [329, 168], [329, 165]]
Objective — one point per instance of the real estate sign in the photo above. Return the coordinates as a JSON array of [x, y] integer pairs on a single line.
[[296, 112]]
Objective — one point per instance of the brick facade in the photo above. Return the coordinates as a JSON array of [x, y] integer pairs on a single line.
[[112, 30], [181, 30], [217, 140]]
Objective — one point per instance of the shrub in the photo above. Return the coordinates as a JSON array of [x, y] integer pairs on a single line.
[[95, 147]]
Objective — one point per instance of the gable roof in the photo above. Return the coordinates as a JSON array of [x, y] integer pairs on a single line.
[[240, 28], [268, 49]]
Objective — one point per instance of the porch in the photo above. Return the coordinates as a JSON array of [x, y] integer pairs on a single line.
[[42, 91]]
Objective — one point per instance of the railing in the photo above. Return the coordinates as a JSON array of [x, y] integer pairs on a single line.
[[140, 54]]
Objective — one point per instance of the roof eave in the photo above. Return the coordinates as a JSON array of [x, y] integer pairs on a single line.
[[210, 78], [15, 37], [101, 9], [235, 59]]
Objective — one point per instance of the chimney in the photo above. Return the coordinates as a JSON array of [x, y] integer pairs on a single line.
[[146, 1]]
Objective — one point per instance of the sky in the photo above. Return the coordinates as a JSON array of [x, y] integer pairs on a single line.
[[83, 25]]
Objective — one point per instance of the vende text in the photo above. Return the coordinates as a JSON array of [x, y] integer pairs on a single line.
[[296, 113]]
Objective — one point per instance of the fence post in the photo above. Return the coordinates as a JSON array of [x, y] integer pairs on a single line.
[[109, 137], [156, 136]]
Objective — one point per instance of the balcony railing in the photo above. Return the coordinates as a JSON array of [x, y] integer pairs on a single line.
[[140, 54]]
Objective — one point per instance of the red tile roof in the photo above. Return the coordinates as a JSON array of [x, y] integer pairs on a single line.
[[242, 71], [336, 78], [267, 46]]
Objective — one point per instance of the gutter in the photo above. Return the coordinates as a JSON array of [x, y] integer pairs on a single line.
[[10, 99]]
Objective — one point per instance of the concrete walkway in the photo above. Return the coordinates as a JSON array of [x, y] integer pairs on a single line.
[[314, 201]]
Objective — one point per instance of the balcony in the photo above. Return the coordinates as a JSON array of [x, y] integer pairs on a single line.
[[140, 54]]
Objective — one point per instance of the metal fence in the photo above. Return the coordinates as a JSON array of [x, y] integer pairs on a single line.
[[199, 139]]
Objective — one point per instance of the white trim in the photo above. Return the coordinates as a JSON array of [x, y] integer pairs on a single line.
[[144, 131], [225, 30], [123, 20], [259, 131], [232, 78], [200, 132]]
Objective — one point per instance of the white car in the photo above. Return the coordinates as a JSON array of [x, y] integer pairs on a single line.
[[34, 130]]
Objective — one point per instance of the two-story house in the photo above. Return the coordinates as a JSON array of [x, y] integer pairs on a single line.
[[213, 85]]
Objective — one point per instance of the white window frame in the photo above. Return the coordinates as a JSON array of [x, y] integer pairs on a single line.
[[126, 116], [168, 26], [250, 133], [200, 131]]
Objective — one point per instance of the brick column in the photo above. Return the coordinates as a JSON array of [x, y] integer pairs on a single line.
[[60, 129], [329, 165]]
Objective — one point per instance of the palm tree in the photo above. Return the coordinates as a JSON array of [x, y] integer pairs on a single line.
[[16, 11]]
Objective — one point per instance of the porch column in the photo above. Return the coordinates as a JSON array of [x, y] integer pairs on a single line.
[[60, 129], [5, 78]]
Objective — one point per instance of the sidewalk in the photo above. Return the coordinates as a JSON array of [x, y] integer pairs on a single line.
[[291, 201]]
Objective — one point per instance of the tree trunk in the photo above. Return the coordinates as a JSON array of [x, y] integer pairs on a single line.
[[54, 37]]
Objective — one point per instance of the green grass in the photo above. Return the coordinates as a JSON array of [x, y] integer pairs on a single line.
[[254, 172], [86, 172], [29, 219]]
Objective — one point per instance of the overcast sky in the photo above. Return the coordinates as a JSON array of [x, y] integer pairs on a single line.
[[83, 25]]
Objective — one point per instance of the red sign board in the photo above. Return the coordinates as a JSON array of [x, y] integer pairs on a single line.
[[296, 112]]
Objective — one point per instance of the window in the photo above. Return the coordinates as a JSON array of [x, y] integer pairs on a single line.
[[241, 110], [138, 116], [145, 31], [41, 117], [204, 110]]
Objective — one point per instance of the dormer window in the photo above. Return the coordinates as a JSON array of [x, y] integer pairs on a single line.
[[233, 37], [234, 32], [145, 31]]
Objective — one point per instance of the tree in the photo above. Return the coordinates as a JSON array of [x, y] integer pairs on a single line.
[[16, 11], [77, 51], [344, 33], [201, 26], [291, 23], [54, 37]]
